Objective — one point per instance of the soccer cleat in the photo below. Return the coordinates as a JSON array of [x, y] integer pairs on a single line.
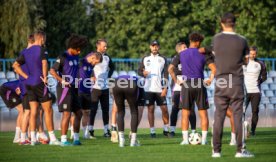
[[244, 154], [77, 143], [184, 142], [92, 134], [16, 140], [107, 134], [65, 144], [26, 142], [114, 137], [135, 144], [56, 142], [172, 134], [122, 143], [33, 143], [216, 155], [43, 141], [153, 135], [166, 133]]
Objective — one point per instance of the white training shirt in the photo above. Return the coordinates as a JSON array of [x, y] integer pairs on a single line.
[[177, 87], [251, 73], [156, 66], [101, 73]]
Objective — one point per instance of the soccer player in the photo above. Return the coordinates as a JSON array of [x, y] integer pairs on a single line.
[[37, 92], [193, 89], [229, 49], [85, 87], [100, 93], [11, 97], [126, 88], [254, 75], [176, 88], [140, 103], [154, 69], [65, 70]]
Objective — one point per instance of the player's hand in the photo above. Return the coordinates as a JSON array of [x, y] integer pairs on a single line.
[[208, 82], [64, 83], [17, 91], [93, 79], [179, 82], [44, 80], [145, 73], [164, 92]]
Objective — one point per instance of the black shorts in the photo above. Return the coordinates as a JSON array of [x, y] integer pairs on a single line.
[[25, 102], [85, 101], [151, 97], [39, 93], [197, 94], [10, 98], [141, 97], [67, 99]]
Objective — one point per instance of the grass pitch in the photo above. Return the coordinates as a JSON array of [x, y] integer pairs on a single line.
[[263, 145]]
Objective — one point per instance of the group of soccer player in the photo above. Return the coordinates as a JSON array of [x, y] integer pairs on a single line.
[[86, 84]]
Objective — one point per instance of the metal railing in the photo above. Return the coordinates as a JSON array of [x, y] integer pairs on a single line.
[[122, 64]]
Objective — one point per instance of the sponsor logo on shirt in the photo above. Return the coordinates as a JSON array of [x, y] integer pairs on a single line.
[[71, 63], [14, 100], [58, 60], [64, 106], [85, 68]]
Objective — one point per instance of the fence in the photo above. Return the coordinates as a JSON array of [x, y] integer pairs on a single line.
[[121, 64]]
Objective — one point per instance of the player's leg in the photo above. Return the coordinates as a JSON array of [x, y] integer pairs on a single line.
[[256, 98], [233, 135], [85, 121], [77, 121], [132, 101], [25, 120], [33, 116], [203, 114], [19, 119], [41, 136], [221, 103], [93, 111], [192, 120], [119, 98], [185, 125], [104, 100], [174, 112], [114, 134]]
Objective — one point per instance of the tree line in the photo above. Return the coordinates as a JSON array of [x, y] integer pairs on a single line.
[[130, 25]]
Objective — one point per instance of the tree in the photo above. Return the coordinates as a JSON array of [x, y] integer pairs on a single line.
[[18, 18]]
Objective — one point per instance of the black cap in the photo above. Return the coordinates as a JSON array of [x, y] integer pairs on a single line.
[[154, 43]]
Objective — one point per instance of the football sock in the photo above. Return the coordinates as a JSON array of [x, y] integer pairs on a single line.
[[152, 130], [185, 136]]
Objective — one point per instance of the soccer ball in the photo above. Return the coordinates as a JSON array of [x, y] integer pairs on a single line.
[[195, 138]]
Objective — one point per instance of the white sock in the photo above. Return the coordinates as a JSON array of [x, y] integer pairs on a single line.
[[43, 136], [121, 136], [133, 138], [106, 128], [204, 136], [84, 129], [90, 127], [113, 125], [193, 130], [233, 137], [63, 138], [17, 132], [172, 128], [152, 130], [166, 127], [22, 137], [72, 130], [76, 136], [185, 136], [33, 137], [52, 136]]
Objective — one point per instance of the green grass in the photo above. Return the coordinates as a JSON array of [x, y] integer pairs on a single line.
[[263, 145]]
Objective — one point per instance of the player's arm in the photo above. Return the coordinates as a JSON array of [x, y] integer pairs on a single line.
[[44, 66], [172, 66], [141, 69], [17, 66], [111, 68], [57, 67], [165, 79], [211, 65], [263, 74]]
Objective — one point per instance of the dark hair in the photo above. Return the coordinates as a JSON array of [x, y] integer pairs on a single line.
[[196, 37], [99, 41], [253, 48], [228, 19], [99, 56], [31, 38], [76, 41]]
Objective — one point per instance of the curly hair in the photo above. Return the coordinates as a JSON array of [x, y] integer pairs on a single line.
[[196, 37], [76, 41]]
